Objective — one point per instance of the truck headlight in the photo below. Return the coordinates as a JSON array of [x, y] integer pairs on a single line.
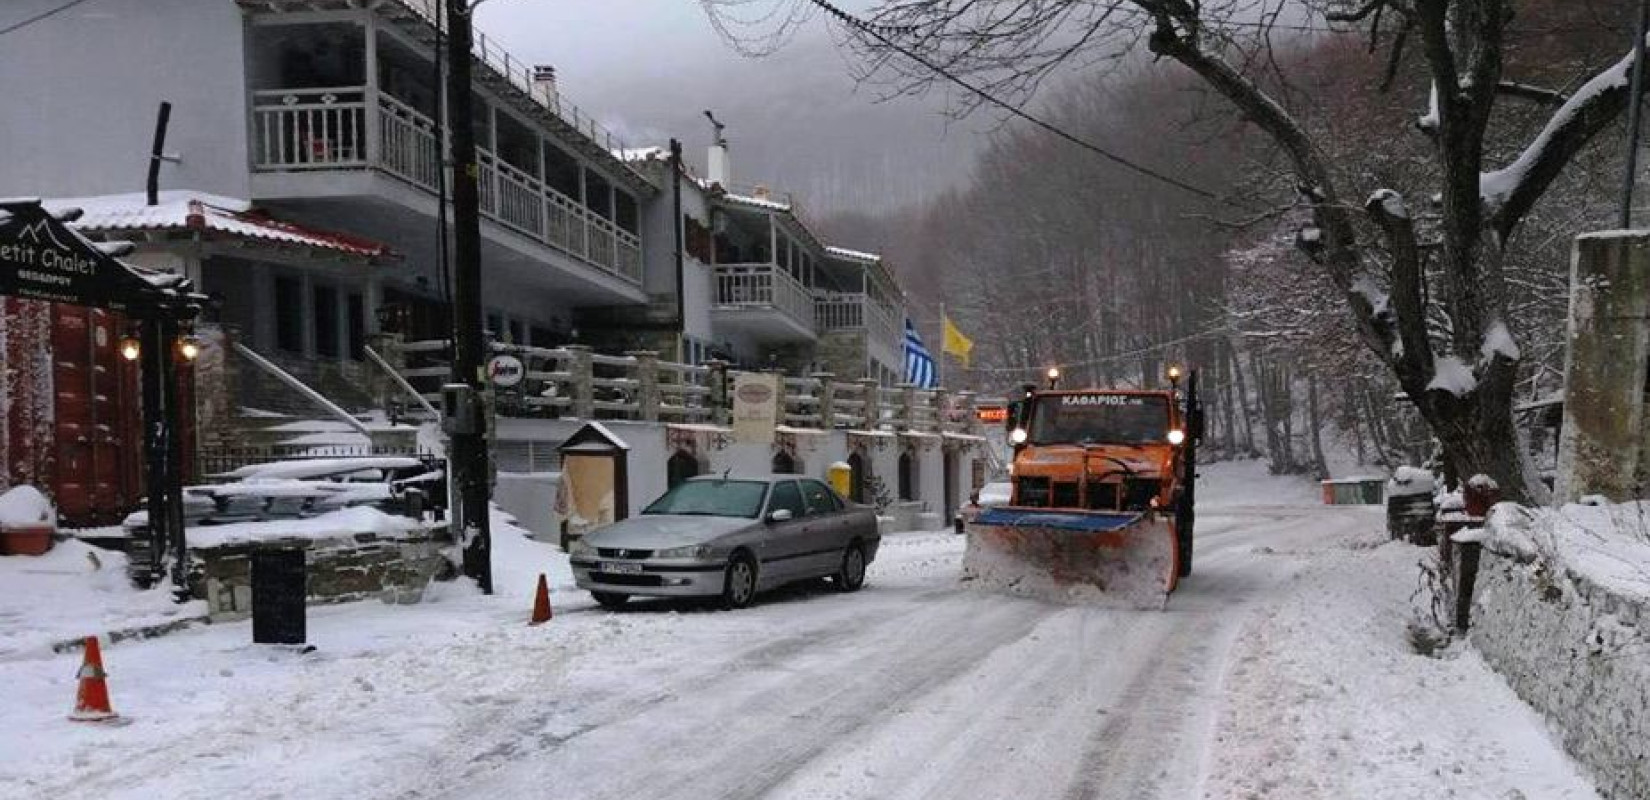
[[1177, 436], [691, 551], [1017, 436]]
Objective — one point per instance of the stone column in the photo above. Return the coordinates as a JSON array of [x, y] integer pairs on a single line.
[[647, 384], [908, 406], [938, 398], [970, 412], [1604, 375], [827, 400], [873, 402], [582, 374]]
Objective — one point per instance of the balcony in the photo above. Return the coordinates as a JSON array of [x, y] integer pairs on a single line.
[[350, 129], [856, 311], [763, 300]]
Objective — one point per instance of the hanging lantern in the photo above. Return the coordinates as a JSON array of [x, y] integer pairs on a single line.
[[130, 347]]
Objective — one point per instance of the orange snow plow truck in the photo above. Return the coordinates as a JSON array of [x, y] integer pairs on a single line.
[[1104, 484]]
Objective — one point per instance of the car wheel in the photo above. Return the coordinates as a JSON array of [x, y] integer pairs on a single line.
[[850, 574], [611, 601], [739, 584]]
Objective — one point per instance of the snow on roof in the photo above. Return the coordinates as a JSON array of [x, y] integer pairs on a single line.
[[641, 153], [697, 427], [757, 202], [323, 467], [189, 210], [344, 522], [853, 255], [793, 430]]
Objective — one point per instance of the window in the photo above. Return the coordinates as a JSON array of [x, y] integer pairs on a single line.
[[495, 325], [598, 194], [326, 321], [289, 315], [907, 476], [784, 463], [516, 332], [821, 500], [679, 468], [713, 499], [357, 326], [625, 214], [786, 496], [561, 171]]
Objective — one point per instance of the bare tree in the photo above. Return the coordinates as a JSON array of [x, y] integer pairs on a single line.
[[1460, 375]]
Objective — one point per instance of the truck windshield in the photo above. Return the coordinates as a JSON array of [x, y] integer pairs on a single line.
[[1099, 419], [712, 499]]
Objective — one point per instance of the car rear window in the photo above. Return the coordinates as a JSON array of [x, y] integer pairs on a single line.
[[712, 499]]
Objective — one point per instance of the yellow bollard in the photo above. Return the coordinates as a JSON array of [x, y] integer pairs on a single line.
[[841, 477]]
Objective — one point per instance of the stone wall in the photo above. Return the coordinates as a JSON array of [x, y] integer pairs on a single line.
[[339, 570], [1574, 651]]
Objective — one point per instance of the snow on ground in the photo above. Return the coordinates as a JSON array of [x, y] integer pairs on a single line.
[[73, 590], [1279, 670]]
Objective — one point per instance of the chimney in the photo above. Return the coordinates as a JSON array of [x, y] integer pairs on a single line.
[[718, 168], [544, 76]]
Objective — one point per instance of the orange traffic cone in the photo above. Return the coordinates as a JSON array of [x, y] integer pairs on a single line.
[[541, 603], [92, 701]]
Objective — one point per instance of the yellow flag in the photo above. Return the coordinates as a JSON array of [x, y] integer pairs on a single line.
[[955, 342]]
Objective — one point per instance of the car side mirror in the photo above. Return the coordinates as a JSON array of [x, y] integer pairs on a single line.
[[779, 515]]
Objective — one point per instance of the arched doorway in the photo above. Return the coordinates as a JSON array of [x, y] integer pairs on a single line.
[[907, 475], [681, 466], [858, 476], [785, 464]]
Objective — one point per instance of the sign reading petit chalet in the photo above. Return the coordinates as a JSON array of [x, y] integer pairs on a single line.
[[41, 259]]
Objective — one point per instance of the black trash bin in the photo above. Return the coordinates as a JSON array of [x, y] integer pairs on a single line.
[[278, 592], [1410, 518]]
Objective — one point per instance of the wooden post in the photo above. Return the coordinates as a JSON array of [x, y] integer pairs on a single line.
[[827, 400], [1466, 576], [647, 384], [873, 403], [583, 384]]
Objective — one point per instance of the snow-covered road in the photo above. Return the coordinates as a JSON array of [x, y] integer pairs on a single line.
[[914, 687]]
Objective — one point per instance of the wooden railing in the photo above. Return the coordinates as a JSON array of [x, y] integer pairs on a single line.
[[856, 311], [575, 382], [764, 286], [316, 129]]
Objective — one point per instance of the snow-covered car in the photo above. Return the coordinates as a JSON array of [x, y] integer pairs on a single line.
[[729, 537]]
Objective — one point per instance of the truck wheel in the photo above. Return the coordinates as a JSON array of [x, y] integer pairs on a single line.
[[850, 574], [612, 601], [739, 585]]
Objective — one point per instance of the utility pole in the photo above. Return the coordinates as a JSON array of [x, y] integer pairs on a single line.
[[467, 451], [1633, 115]]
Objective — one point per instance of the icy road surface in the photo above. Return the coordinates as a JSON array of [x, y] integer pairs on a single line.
[[1279, 670]]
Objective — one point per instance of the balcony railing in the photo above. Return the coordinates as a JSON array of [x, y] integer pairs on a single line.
[[333, 129], [852, 311], [764, 286]]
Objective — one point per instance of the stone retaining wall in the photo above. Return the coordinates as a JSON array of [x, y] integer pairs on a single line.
[[1578, 653], [339, 570]]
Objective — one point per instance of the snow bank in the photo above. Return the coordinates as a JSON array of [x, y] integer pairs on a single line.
[[23, 506], [74, 590]]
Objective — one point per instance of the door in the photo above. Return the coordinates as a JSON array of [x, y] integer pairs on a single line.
[[784, 557], [829, 530]]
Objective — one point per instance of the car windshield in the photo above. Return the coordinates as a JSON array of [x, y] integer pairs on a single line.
[[1099, 419], [712, 499]]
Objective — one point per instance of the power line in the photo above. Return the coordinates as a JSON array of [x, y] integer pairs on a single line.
[[41, 16], [875, 32], [1154, 348]]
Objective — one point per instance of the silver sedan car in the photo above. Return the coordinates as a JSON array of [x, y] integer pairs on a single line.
[[729, 537]]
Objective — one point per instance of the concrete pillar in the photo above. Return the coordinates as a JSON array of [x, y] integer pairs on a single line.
[[582, 381], [908, 406], [873, 403], [970, 416], [827, 400], [1604, 376], [938, 398], [647, 384]]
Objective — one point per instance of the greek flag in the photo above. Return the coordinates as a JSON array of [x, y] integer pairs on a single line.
[[919, 364]]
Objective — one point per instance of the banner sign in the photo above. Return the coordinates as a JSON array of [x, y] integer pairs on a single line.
[[43, 259], [755, 407]]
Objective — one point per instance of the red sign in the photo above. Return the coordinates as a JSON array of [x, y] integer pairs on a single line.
[[992, 413]]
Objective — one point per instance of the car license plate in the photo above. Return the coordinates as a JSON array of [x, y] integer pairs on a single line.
[[619, 568]]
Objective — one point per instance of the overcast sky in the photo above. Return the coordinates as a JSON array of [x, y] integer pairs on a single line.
[[796, 120]]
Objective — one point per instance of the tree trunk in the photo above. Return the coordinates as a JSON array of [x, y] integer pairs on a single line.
[[1320, 467]]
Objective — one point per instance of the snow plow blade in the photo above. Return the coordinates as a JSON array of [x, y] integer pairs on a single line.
[[1126, 558]]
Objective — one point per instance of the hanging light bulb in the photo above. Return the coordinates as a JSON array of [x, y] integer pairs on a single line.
[[189, 348], [130, 347]]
